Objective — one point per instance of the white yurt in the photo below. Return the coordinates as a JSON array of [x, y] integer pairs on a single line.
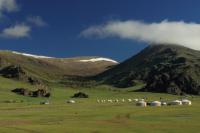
[[71, 101], [186, 102], [135, 100], [175, 102], [155, 103], [141, 99], [44, 102], [141, 104], [163, 103]]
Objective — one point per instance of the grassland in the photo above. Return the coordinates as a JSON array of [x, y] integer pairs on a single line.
[[88, 116]]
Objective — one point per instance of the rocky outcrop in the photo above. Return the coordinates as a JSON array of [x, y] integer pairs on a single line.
[[18, 73], [80, 95], [37, 93]]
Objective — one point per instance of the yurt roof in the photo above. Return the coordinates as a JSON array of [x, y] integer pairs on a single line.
[[155, 102], [185, 100]]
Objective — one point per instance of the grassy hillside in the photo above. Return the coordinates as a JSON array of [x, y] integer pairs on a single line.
[[88, 116], [164, 68], [48, 69]]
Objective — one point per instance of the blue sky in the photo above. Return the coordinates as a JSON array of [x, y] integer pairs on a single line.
[[54, 26]]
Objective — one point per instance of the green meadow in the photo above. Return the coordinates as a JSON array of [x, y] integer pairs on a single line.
[[26, 115]]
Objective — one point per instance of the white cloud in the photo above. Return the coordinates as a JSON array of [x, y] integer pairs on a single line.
[[20, 30], [171, 32], [8, 6], [17, 31], [37, 21]]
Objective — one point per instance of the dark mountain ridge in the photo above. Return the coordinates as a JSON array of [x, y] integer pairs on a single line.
[[163, 68]]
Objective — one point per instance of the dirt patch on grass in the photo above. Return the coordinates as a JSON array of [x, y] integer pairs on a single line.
[[25, 130], [95, 132], [183, 115], [119, 119], [14, 122]]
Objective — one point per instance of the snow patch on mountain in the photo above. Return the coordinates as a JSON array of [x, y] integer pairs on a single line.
[[85, 60], [99, 59], [30, 55]]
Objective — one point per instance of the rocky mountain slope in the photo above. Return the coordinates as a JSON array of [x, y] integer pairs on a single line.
[[163, 68]]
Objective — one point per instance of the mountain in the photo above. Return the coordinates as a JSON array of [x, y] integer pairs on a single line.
[[33, 68], [163, 68]]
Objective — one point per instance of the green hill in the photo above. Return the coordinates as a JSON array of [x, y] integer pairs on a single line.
[[163, 68], [39, 68]]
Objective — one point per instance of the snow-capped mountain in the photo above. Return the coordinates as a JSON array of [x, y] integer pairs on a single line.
[[51, 68]]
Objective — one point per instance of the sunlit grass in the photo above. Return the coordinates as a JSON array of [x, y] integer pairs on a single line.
[[88, 116]]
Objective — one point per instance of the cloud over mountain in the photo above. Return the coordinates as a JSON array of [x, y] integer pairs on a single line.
[[173, 32]]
